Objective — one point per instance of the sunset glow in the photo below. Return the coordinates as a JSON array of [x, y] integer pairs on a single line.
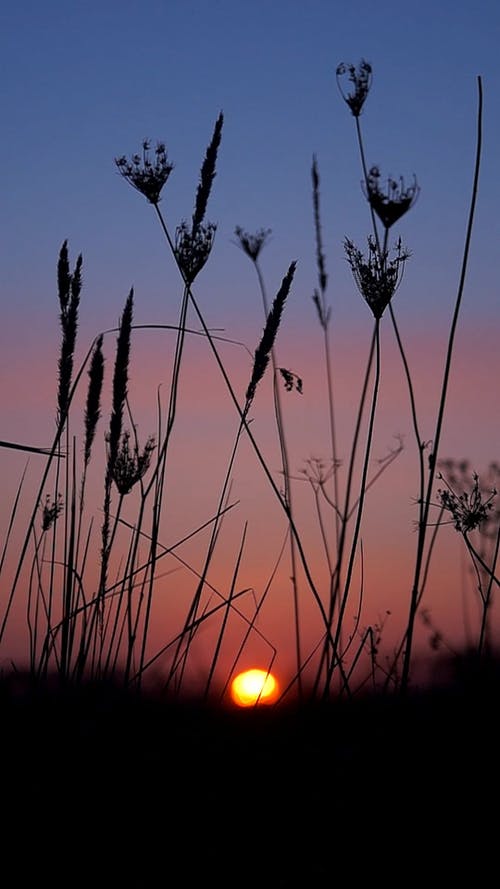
[[254, 687]]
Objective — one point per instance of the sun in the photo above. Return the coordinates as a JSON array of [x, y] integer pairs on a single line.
[[254, 687]]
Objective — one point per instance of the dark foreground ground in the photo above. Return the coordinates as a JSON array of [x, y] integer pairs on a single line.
[[101, 789]]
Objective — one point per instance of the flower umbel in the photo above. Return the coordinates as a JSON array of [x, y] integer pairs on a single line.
[[252, 244], [393, 202], [361, 78], [146, 173], [377, 277], [318, 471], [468, 510], [192, 250], [130, 466]]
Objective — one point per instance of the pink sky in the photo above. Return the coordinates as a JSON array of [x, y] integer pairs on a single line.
[[205, 431]]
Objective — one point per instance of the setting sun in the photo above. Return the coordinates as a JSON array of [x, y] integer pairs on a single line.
[[254, 687]]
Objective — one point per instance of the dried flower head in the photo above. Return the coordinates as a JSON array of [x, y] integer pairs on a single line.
[[120, 378], [252, 244], [291, 380], [320, 257], [146, 173], [207, 175], [93, 403], [51, 510], [392, 202], [130, 465], [319, 471], [264, 349], [468, 509], [69, 287], [192, 250], [361, 79], [458, 473], [377, 277]]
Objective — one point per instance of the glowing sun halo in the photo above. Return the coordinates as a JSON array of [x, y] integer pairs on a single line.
[[254, 687]]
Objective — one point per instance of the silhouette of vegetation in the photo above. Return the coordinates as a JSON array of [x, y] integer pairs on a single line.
[[89, 601]]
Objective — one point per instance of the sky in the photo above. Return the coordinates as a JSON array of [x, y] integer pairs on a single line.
[[84, 83]]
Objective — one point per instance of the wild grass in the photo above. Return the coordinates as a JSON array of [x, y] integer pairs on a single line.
[[90, 596]]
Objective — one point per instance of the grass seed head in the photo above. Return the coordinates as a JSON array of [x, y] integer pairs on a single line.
[[93, 403], [263, 350], [207, 176]]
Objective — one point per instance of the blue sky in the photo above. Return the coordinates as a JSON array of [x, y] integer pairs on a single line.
[[84, 82]]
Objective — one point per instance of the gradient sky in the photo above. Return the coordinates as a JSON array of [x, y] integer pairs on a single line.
[[83, 83]]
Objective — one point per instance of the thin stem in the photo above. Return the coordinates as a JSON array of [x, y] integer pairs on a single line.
[[285, 462], [364, 476], [251, 438], [444, 391]]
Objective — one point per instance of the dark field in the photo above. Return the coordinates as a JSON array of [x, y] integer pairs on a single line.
[[100, 787]]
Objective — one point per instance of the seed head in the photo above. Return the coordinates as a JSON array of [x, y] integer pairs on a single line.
[[319, 471], [252, 244], [468, 509], [207, 175], [69, 287], [361, 79], [393, 202], [51, 511], [376, 276], [93, 403], [120, 377], [147, 173], [129, 465], [263, 350], [291, 380], [193, 249]]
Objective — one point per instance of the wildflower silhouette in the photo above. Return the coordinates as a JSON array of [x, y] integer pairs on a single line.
[[147, 175], [361, 78], [193, 247], [376, 277], [252, 244], [130, 466], [392, 204], [468, 510]]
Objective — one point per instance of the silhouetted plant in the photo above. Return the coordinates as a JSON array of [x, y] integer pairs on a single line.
[[146, 174], [392, 204], [264, 349], [106, 631], [69, 286], [472, 508], [361, 79], [130, 466], [51, 510], [377, 277]]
